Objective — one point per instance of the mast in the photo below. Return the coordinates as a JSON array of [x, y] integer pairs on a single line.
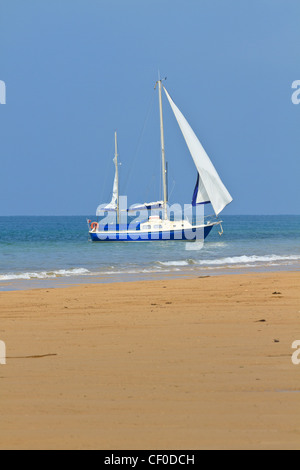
[[117, 178], [167, 179], [163, 157]]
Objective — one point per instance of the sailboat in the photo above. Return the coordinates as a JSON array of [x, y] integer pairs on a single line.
[[209, 190]]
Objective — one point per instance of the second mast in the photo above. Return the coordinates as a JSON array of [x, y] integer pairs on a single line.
[[163, 156]]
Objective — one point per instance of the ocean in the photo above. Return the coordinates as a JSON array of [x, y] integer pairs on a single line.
[[38, 252]]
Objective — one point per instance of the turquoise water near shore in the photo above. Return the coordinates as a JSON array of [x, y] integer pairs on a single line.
[[58, 248]]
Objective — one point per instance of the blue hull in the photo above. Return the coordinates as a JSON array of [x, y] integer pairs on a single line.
[[184, 235]]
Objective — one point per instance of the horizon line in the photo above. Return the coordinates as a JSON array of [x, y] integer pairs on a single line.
[[85, 216]]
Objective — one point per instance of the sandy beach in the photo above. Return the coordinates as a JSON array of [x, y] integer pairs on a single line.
[[202, 363]]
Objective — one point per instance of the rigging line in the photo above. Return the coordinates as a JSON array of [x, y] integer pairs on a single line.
[[150, 187], [173, 181], [139, 143], [154, 189], [172, 190]]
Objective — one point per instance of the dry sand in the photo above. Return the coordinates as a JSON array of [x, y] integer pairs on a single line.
[[177, 364]]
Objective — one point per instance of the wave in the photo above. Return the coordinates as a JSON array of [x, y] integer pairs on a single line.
[[111, 271], [44, 274], [235, 260], [249, 259], [176, 263]]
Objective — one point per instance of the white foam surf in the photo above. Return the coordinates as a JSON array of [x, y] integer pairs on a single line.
[[247, 261], [161, 267], [44, 274]]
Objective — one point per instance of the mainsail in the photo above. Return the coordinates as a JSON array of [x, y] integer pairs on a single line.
[[112, 206], [209, 186]]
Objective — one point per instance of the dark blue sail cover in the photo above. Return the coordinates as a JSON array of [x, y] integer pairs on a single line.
[[145, 206], [194, 201]]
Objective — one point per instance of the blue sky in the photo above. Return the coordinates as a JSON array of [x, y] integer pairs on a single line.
[[76, 70]]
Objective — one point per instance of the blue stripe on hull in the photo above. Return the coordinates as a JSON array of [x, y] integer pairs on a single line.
[[185, 235]]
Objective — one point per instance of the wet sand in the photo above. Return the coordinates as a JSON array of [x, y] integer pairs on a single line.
[[201, 363]]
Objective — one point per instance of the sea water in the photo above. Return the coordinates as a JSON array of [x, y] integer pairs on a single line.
[[53, 251]]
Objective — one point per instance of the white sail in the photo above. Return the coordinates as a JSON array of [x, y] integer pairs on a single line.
[[210, 187], [112, 206]]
